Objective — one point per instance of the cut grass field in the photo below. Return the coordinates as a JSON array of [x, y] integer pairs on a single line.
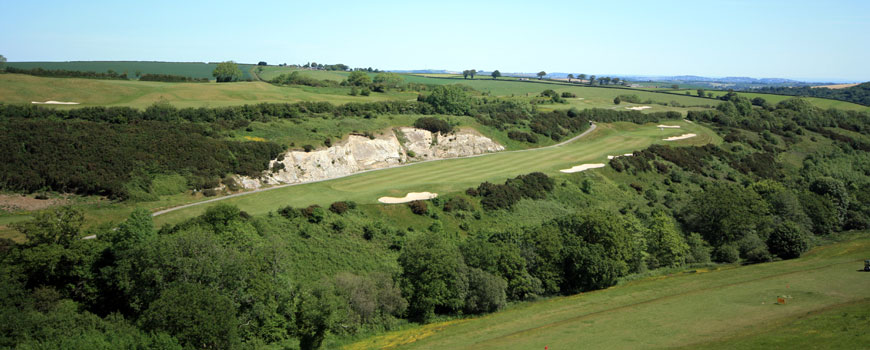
[[20, 88], [732, 307], [453, 175], [774, 99], [188, 69]]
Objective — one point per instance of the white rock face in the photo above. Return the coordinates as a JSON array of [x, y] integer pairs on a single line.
[[359, 153]]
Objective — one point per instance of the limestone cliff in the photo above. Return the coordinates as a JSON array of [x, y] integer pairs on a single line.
[[359, 153]]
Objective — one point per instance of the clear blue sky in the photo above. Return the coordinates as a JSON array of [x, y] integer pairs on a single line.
[[825, 40]]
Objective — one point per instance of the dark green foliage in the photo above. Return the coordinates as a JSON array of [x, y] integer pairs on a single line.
[[98, 158], [457, 204], [434, 125], [534, 186], [339, 207], [449, 99], [753, 249], [699, 250], [724, 213], [486, 292], [586, 267], [314, 213], [522, 136], [788, 241], [859, 94], [318, 310], [434, 276], [60, 73], [371, 300], [59, 226], [169, 78], [419, 207], [295, 78], [727, 253], [199, 317]]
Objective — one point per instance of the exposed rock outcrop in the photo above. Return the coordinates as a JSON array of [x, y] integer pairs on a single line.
[[359, 153]]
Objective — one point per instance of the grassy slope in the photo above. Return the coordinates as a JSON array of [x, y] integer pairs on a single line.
[[190, 69], [774, 99], [19, 88], [271, 72], [458, 174], [730, 307]]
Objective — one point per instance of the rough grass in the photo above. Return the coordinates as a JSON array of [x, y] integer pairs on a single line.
[[774, 99], [271, 72], [454, 175], [726, 307]]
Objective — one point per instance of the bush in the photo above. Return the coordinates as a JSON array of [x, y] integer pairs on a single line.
[[433, 125], [339, 207], [699, 250], [567, 94], [522, 136], [486, 292], [314, 213], [209, 192], [788, 241], [456, 204], [308, 148], [419, 207], [726, 253]]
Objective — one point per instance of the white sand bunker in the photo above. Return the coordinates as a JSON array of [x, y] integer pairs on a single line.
[[668, 126], [410, 197], [681, 137], [54, 103], [638, 108], [583, 167], [620, 155]]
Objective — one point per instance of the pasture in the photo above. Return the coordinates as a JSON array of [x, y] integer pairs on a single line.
[[272, 72], [453, 175], [725, 307], [189, 69], [20, 88], [774, 99]]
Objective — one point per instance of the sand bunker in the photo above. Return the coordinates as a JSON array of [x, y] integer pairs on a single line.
[[638, 108], [54, 103], [668, 126], [620, 155], [583, 167], [681, 137], [410, 197]]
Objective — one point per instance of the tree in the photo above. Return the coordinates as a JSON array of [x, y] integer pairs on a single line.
[[2, 62], [606, 80], [616, 80], [701, 93], [138, 227], [675, 87], [449, 99], [496, 74], [472, 72], [570, 76], [616, 100], [56, 226], [486, 292], [384, 81], [581, 77], [788, 241], [465, 74], [358, 78], [541, 74], [665, 244], [227, 72], [262, 63], [317, 311], [433, 276], [587, 267], [198, 316], [591, 79]]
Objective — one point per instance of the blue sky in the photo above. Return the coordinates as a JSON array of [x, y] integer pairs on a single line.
[[819, 40]]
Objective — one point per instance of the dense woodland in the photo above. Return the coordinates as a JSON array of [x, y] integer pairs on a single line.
[[305, 277]]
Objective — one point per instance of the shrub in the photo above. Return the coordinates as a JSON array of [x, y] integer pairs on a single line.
[[308, 148], [419, 207], [726, 253], [788, 241], [486, 292], [567, 94], [456, 204], [433, 125], [522, 136], [339, 207], [209, 192], [314, 213]]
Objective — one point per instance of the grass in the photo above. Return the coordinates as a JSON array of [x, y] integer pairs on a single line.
[[726, 307], [20, 88], [189, 69], [271, 72], [774, 99], [455, 175]]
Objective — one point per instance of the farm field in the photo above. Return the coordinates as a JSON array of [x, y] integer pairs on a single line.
[[726, 307], [272, 72], [452, 175], [774, 99], [189, 69], [20, 88]]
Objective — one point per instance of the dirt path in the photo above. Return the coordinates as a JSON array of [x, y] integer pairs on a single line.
[[164, 211]]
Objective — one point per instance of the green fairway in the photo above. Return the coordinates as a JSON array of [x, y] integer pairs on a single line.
[[20, 88], [458, 174], [728, 308], [774, 99], [188, 69]]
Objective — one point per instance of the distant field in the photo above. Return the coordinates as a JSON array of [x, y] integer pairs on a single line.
[[454, 175], [836, 86], [724, 308], [190, 69], [271, 72], [20, 88], [774, 99]]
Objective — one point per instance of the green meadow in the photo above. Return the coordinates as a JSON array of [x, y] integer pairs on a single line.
[[774, 99], [189, 69], [724, 307]]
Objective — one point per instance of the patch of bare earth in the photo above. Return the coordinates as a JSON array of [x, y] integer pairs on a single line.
[[835, 86], [16, 202]]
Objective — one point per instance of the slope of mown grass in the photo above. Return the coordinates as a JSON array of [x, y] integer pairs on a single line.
[[453, 175], [726, 307], [188, 69], [20, 88]]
